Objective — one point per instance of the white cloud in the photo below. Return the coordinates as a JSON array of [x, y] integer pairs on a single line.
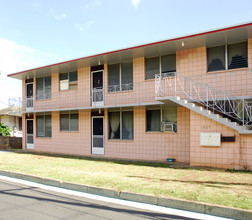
[[135, 3], [15, 58], [56, 16], [92, 4], [84, 27]]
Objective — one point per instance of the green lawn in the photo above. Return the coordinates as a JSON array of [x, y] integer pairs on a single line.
[[210, 186]]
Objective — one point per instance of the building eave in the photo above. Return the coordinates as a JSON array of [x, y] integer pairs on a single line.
[[207, 38]]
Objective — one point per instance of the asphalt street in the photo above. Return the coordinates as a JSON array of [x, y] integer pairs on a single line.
[[18, 201]]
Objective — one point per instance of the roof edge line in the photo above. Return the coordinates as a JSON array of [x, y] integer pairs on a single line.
[[139, 46]]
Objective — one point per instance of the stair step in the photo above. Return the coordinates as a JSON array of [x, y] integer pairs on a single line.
[[224, 119], [215, 115], [210, 114]]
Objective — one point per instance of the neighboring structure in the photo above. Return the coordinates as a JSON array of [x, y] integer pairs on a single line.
[[12, 120], [186, 98]]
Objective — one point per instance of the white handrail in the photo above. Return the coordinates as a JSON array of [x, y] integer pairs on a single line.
[[217, 100]]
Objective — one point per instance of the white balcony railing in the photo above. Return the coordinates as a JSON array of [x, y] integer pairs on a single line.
[[15, 105], [108, 97]]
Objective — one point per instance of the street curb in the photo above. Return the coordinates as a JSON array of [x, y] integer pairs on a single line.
[[199, 207]]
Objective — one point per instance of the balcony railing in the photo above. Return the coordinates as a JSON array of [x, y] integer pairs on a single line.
[[108, 97], [29, 104], [15, 105]]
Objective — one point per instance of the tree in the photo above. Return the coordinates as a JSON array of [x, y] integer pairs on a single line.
[[4, 130]]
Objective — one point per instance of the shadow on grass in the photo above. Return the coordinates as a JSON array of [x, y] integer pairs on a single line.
[[116, 161], [181, 166], [212, 183]]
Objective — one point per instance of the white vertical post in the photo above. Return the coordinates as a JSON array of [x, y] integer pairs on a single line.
[[243, 111], [207, 96]]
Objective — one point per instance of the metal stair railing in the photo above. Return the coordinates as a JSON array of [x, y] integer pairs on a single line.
[[223, 102]]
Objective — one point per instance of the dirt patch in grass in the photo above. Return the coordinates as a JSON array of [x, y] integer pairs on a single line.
[[220, 187]]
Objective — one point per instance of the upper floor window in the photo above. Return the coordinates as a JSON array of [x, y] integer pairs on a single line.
[[161, 119], [231, 56], [69, 121], [161, 64], [120, 77], [68, 80], [121, 125], [44, 125], [43, 88]]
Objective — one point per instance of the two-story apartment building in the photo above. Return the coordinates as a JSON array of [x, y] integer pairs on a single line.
[[185, 98]]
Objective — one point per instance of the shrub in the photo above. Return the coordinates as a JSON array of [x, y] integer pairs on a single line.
[[4, 130]]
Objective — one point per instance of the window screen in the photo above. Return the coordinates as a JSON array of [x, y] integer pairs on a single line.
[[114, 77], [68, 80], [237, 55], [63, 76], [40, 126], [44, 126], [168, 63], [47, 87], [39, 85], [151, 67], [69, 121], [43, 86], [64, 122], [74, 122], [127, 76], [153, 120], [73, 80], [169, 115], [216, 58]]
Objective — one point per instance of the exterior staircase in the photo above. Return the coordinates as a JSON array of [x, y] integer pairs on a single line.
[[201, 98], [208, 113]]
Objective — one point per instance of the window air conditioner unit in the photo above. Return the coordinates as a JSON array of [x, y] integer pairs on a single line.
[[167, 126]]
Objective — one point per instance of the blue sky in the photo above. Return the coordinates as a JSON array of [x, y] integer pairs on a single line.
[[35, 33]]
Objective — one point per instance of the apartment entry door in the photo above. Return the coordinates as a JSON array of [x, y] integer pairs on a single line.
[[98, 135], [29, 96], [97, 88], [29, 134]]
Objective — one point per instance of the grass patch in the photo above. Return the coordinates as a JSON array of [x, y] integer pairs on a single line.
[[233, 189]]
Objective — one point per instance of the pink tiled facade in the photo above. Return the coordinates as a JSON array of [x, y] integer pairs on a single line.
[[183, 145]]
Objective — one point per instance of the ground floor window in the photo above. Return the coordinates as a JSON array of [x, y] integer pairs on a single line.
[[69, 121], [44, 125], [121, 125], [161, 119]]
